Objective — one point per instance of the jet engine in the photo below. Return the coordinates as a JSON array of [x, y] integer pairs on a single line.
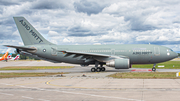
[[121, 63], [17, 51]]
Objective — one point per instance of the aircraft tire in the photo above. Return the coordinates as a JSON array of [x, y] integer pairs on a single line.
[[154, 69], [93, 69], [103, 69], [98, 69]]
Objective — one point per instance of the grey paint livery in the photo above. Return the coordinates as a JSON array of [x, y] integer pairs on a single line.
[[117, 56]]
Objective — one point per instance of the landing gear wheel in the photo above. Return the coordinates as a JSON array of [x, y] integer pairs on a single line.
[[154, 69], [93, 69], [98, 69], [103, 69]]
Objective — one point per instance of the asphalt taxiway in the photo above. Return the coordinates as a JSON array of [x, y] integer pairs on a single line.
[[82, 85]]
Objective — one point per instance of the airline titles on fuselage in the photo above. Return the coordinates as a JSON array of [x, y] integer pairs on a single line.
[[143, 53]]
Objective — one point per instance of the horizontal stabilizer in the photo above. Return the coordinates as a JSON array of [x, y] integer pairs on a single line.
[[20, 47]]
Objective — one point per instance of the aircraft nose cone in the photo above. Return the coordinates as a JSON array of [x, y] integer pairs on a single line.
[[174, 55]]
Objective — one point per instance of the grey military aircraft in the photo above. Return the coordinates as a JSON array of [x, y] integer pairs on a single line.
[[116, 56]]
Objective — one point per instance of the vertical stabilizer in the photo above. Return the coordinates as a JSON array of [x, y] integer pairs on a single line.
[[29, 34], [5, 55], [9, 56], [17, 57]]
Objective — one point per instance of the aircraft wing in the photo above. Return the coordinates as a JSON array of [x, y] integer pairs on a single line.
[[20, 47], [84, 53], [90, 56]]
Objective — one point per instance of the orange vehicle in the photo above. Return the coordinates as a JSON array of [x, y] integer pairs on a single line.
[[4, 57]]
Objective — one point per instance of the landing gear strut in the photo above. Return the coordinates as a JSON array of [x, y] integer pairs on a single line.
[[154, 69]]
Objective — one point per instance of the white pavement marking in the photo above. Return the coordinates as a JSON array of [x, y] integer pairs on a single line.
[[6, 84], [27, 97], [99, 96], [43, 100], [76, 93], [7, 94]]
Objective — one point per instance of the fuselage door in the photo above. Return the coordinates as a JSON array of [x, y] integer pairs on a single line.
[[53, 51], [156, 51], [112, 51]]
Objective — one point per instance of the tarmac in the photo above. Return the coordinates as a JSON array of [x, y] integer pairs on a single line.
[[85, 86]]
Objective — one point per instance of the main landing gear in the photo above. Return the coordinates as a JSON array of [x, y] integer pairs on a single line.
[[154, 69], [98, 69]]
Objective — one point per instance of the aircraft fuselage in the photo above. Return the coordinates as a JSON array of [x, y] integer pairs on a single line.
[[137, 54]]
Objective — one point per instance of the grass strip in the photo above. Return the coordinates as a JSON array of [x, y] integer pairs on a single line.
[[145, 75], [35, 67], [167, 65], [11, 75]]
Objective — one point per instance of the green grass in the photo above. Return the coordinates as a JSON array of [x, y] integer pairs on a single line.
[[35, 67], [11, 75], [167, 65], [146, 75]]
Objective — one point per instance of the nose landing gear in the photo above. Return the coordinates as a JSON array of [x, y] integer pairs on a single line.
[[154, 69]]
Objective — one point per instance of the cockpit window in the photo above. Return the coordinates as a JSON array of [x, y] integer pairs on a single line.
[[169, 50]]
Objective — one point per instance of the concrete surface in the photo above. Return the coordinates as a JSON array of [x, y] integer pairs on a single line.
[[90, 87], [93, 87]]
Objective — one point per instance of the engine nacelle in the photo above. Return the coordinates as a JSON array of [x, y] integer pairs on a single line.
[[119, 63], [84, 65], [17, 51]]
